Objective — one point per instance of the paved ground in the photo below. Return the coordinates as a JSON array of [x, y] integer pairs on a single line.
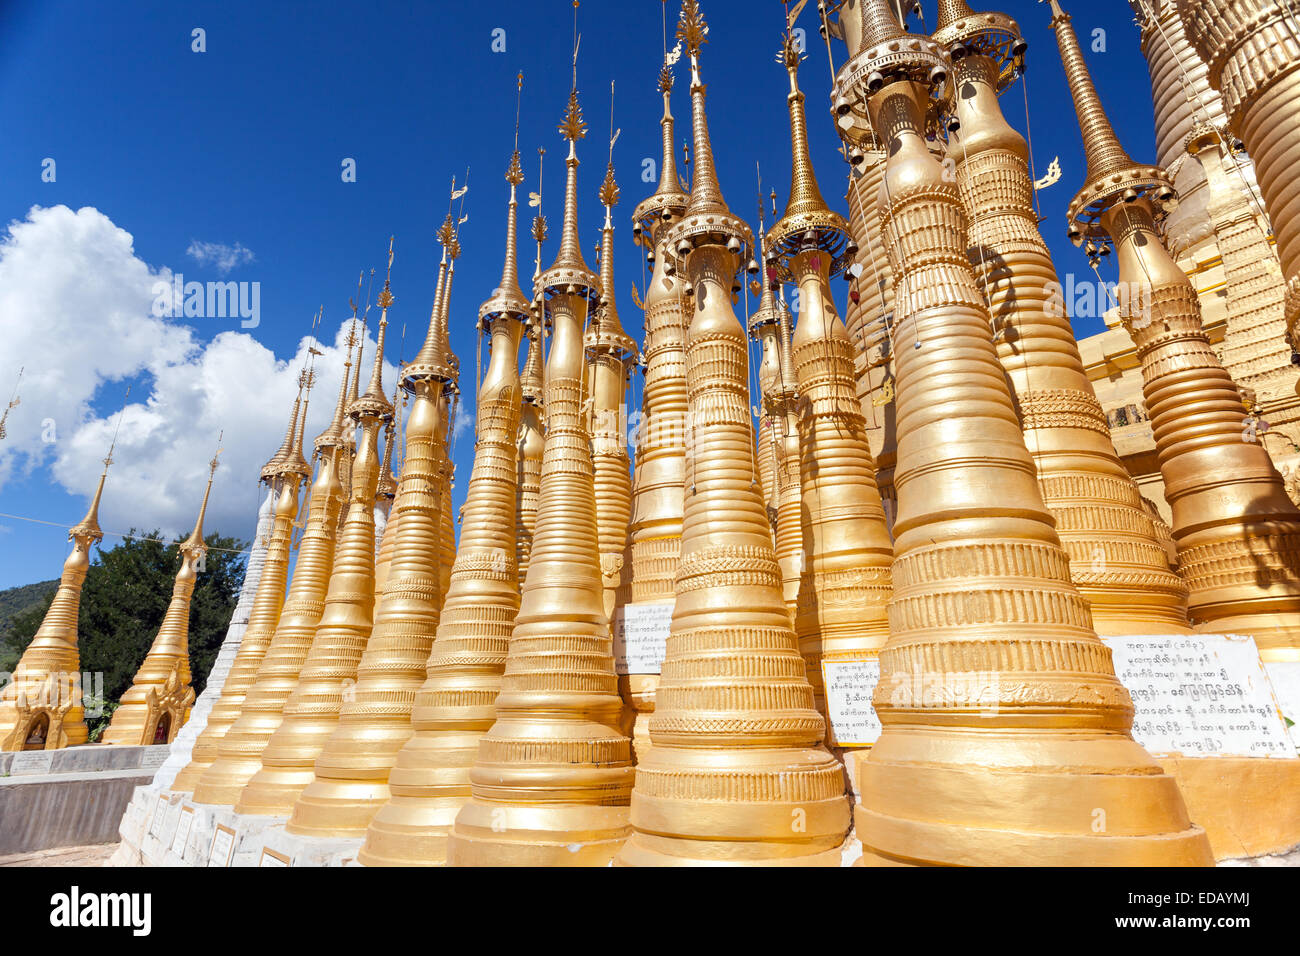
[[63, 856]]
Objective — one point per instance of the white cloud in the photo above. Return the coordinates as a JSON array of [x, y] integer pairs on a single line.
[[76, 311], [221, 257]]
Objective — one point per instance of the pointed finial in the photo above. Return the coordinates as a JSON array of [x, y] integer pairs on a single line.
[[193, 545], [374, 403], [1112, 176], [706, 194], [807, 223], [333, 434], [87, 530], [507, 298], [569, 268], [272, 468]]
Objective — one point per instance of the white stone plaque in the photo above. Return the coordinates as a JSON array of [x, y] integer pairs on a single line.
[[223, 846], [183, 830], [159, 817], [271, 858], [170, 824], [849, 685], [32, 761], [1200, 695], [640, 636], [153, 757]]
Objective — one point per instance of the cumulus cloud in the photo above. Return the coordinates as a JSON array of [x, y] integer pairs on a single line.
[[218, 255], [76, 312]]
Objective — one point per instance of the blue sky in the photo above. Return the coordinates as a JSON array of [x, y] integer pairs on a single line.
[[242, 145]]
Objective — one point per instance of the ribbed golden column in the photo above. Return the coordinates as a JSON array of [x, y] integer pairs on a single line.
[[239, 752], [655, 535], [329, 675], [1116, 561], [157, 704], [374, 721], [845, 582], [610, 353], [782, 406], [40, 707], [1005, 733], [735, 775], [768, 373], [450, 404], [1237, 532], [285, 473], [429, 782], [530, 447], [1252, 51], [385, 492], [551, 781]]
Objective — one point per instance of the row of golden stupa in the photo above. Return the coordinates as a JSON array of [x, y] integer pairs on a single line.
[[461, 704]]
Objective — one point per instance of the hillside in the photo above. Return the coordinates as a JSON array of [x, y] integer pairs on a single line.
[[13, 601]]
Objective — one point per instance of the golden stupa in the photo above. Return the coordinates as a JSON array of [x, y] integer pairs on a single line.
[[1237, 531], [429, 781], [552, 777], [327, 675], [157, 704], [41, 707], [655, 532], [284, 473], [1252, 51], [1003, 723], [736, 773], [844, 582], [240, 750], [1116, 560]]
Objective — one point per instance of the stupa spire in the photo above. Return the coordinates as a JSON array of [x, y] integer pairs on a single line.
[[552, 775], [157, 704], [1102, 148], [805, 196], [429, 781], [844, 579], [706, 194], [40, 707], [1236, 562]]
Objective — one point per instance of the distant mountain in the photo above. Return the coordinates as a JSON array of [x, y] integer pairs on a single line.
[[13, 601]]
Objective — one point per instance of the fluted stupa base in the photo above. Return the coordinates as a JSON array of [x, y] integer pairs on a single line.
[[429, 783], [737, 807], [274, 791], [338, 808], [979, 797], [497, 834]]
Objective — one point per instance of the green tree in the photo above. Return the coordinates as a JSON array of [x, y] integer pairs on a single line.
[[124, 599]]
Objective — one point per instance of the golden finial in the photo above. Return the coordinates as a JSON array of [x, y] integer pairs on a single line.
[[569, 268], [194, 543], [1112, 176], [807, 221], [691, 28], [374, 403], [573, 126], [507, 298], [87, 528]]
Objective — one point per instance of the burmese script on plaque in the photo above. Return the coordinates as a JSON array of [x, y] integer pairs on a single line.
[[849, 686], [641, 635], [1203, 695]]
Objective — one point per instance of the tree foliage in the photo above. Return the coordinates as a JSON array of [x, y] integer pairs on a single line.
[[124, 599]]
